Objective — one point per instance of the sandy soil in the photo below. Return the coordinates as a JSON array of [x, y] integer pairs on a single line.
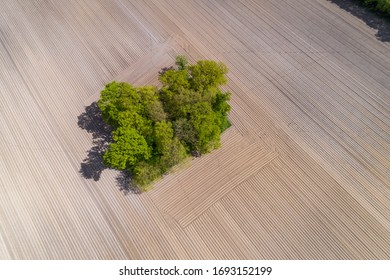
[[304, 172]]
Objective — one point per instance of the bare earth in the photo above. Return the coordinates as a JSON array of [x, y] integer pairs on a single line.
[[303, 173]]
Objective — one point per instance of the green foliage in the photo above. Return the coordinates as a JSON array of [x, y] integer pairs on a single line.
[[221, 107], [207, 74], [173, 154], [185, 132], [163, 134], [144, 174], [168, 147], [155, 130], [129, 119], [151, 105], [378, 5], [205, 124], [175, 81], [181, 62], [128, 149], [115, 98]]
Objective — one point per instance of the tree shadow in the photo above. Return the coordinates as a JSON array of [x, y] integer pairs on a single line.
[[92, 166], [125, 183], [376, 20], [91, 120]]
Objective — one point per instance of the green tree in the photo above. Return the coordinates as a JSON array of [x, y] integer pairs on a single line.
[[175, 81], [163, 134], [173, 154], [379, 5], [186, 133], [205, 123], [144, 174], [206, 74], [181, 62], [116, 98], [156, 129], [151, 105], [168, 147], [221, 107], [131, 119], [128, 149]]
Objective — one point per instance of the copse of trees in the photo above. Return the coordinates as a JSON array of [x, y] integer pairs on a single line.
[[156, 129], [378, 5]]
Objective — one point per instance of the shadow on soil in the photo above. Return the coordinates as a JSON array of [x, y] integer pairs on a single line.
[[92, 166], [378, 21]]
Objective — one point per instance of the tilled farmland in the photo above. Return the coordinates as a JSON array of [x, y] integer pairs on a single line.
[[303, 173]]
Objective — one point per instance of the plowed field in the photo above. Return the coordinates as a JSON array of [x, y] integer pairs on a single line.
[[303, 173]]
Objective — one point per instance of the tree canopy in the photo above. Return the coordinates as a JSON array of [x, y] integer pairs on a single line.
[[378, 5], [156, 129]]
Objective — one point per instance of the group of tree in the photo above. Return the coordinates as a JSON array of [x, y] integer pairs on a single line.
[[156, 129], [382, 6]]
